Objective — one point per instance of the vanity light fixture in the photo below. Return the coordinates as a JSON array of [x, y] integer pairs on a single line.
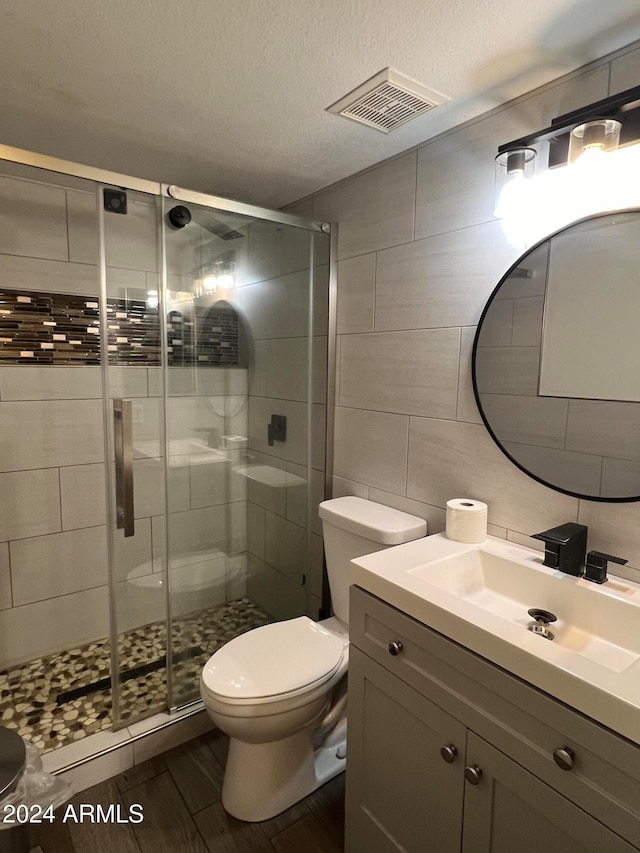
[[512, 167], [600, 126], [593, 138], [549, 197]]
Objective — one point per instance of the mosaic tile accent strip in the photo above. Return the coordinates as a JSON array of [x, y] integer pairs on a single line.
[[59, 328], [28, 693], [134, 332], [48, 328], [213, 339]]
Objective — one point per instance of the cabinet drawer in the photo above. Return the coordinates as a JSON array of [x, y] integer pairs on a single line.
[[524, 723]]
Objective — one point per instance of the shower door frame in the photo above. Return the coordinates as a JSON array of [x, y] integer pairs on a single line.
[[102, 177]]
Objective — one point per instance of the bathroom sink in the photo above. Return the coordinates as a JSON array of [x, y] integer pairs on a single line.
[[479, 595], [602, 628]]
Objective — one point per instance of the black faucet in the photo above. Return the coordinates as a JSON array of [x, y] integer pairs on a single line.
[[596, 568], [565, 547]]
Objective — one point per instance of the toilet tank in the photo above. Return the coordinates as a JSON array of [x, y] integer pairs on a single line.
[[353, 527]]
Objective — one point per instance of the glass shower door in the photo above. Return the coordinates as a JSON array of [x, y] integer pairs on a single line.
[[239, 306], [215, 328], [131, 266]]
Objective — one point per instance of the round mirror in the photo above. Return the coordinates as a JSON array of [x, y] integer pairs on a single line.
[[556, 360]]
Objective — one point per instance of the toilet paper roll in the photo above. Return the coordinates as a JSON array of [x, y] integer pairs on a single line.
[[466, 520]]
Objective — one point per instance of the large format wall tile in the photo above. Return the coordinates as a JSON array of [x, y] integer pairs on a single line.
[[356, 294], [256, 521], [216, 483], [508, 370], [277, 308], [50, 433], [50, 383], [625, 71], [619, 477], [433, 515], [528, 420], [83, 496], [149, 487], [288, 369], [33, 220], [82, 217], [452, 460], [49, 276], [274, 592], [29, 504], [455, 186], [371, 448], [274, 250], [5, 577], [405, 372], [294, 449], [286, 547], [47, 566], [440, 281], [604, 427], [222, 528], [375, 209], [132, 555], [577, 472], [48, 626], [131, 239], [467, 408], [613, 528]]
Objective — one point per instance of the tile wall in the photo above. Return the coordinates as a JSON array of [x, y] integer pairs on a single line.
[[419, 254], [53, 534], [284, 532]]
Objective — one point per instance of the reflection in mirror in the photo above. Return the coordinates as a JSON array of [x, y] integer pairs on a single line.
[[556, 358]]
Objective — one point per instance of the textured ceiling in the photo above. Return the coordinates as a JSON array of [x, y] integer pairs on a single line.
[[229, 96]]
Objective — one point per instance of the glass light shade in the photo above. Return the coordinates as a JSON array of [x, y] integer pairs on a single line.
[[226, 280], [210, 283], [512, 167], [594, 137]]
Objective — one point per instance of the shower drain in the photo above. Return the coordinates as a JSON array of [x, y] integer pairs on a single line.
[[127, 675]]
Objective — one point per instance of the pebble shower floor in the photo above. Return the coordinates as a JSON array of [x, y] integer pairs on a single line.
[[29, 691]]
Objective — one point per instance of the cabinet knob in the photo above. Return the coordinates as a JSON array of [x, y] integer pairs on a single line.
[[473, 774], [395, 647], [449, 753], [564, 757]]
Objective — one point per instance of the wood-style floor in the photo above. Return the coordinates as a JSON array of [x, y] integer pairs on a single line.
[[180, 794]]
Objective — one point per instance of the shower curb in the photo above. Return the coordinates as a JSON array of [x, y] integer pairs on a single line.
[[146, 739]]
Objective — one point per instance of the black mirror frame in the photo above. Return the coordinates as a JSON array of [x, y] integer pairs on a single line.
[[476, 393]]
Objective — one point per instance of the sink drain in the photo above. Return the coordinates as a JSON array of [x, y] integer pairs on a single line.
[[541, 618]]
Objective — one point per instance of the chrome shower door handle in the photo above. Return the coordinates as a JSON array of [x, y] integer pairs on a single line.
[[123, 439]]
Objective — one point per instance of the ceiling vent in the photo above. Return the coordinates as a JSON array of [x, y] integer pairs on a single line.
[[387, 100]]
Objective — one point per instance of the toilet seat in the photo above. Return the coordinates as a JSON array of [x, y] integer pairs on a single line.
[[283, 659]]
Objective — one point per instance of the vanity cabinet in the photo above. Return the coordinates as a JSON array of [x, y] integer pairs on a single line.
[[448, 752]]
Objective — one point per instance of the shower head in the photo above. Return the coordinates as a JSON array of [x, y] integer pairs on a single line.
[[179, 216]]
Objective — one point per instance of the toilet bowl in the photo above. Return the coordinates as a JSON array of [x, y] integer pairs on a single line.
[[279, 691], [270, 690]]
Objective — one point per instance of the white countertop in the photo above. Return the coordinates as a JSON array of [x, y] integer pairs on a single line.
[[600, 678]]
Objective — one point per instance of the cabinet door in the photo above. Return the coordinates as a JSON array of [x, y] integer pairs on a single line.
[[511, 811], [401, 793]]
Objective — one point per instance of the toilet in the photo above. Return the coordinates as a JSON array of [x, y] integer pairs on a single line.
[[280, 692]]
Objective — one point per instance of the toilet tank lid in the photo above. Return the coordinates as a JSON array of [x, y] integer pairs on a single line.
[[373, 521]]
